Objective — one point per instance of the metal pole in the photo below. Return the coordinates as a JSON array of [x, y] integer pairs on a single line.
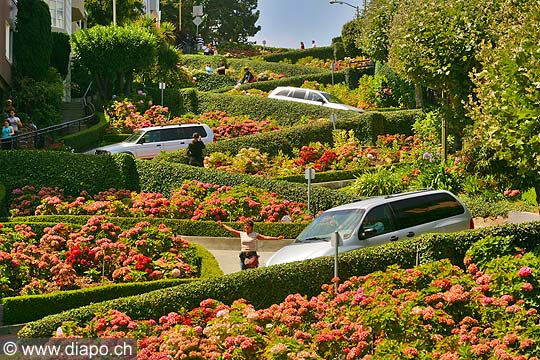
[[308, 193], [161, 96], [114, 12], [180, 15]]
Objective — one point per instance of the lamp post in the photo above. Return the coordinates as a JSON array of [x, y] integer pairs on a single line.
[[357, 8]]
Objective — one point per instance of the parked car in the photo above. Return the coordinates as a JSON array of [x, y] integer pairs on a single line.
[[146, 143], [376, 221], [309, 96]]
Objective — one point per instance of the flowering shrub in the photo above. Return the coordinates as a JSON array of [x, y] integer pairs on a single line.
[[348, 62], [194, 200], [347, 153], [100, 252], [226, 126], [125, 117], [433, 311]]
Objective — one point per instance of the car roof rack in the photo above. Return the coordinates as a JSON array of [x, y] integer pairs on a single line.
[[414, 191]]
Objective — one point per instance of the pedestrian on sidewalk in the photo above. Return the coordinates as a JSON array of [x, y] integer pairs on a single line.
[[248, 240]]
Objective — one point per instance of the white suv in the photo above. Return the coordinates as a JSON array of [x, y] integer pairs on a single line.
[[146, 143], [376, 221], [309, 96]]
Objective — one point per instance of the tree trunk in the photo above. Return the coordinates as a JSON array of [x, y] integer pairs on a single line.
[[418, 96], [537, 191]]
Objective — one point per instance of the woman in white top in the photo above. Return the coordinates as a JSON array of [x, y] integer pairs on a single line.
[[248, 240]]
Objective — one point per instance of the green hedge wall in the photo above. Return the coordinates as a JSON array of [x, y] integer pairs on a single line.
[[163, 177], [297, 81], [266, 286], [88, 138], [23, 309], [323, 52], [367, 126], [348, 76], [200, 61], [287, 113], [177, 226], [50, 168]]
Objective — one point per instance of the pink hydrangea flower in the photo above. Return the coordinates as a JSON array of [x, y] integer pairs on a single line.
[[525, 271]]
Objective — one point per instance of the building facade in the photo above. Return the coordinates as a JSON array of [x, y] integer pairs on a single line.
[[8, 11], [67, 16]]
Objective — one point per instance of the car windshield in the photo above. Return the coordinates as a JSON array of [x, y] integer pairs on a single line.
[[331, 98], [134, 137], [342, 221]]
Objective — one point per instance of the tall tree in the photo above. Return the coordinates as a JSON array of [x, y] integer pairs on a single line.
[[100, 12], [225, 20], [373, 29], [506, 106], [113, 54], [32, 43]]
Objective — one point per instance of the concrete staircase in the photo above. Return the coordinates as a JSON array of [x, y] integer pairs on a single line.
[[72, 110]]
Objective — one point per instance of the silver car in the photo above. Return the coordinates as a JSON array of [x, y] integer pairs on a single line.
[[377, 221], [310, 96], [146, 143]]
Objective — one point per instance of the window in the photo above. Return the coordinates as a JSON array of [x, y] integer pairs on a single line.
[[56, 7], [299, 94], [380, 219], [188, 132], [284, 92], [424, 209], [171, 134], [152, 136], [314, 97], [9, 42]]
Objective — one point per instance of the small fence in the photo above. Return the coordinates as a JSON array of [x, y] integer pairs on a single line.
[[46, 138]]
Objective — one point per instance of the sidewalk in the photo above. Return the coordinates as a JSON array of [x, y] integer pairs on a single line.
[[226, 250]]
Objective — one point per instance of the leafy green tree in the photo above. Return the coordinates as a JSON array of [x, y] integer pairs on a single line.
[[100, 12], [435, 43], [113, 54], [505, 108], [373, 27], [350, 32], [32, 42], [225, 20], [60, 52]]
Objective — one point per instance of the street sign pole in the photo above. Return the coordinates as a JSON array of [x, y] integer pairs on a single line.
[[162, 87], [309, 175], [336, 242]]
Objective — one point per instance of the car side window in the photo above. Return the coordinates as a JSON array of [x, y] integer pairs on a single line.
[[152, 136], [188, 131], [170, 134], [283, 92], [299, 94], [424, 209], [378, 219], [314, 97]]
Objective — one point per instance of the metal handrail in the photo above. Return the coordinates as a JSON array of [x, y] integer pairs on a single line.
[[58, 127]]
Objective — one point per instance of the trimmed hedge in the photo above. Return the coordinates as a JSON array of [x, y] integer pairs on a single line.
[[23, 309], [348, 76], [200, 61], [89, 138], [323, 52], [286, 113], [266, 286], [367, 126], [177, 226], [164, 177], [50, 168]]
